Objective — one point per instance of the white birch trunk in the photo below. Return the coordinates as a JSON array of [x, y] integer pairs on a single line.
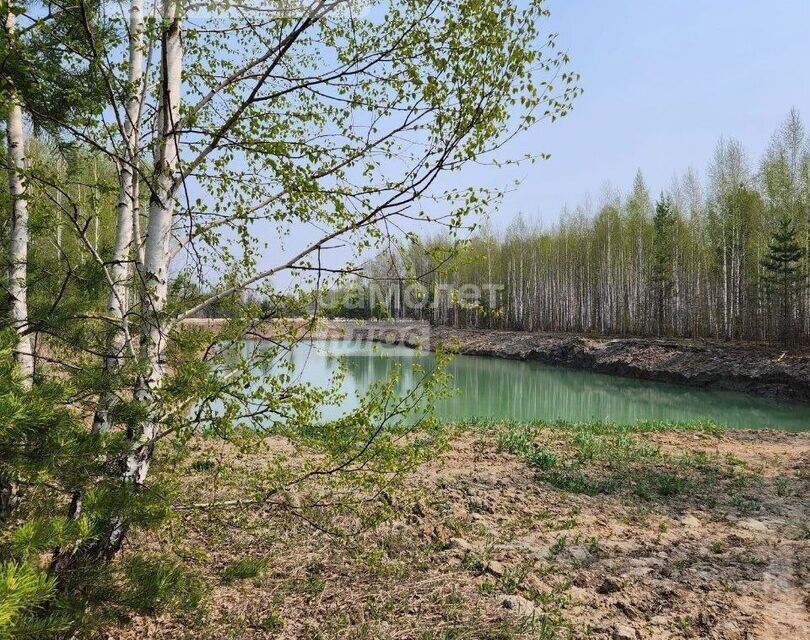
[[18, 244], [60, 173], [155, 266], [120, 270], [155, 269], [17, 255]]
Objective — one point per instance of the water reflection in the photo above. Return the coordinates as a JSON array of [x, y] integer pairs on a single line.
[[508, 389]]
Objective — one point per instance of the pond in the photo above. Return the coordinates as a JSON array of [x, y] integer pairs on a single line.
[[497, 389]]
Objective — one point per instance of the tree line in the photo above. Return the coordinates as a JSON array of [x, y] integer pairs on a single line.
[[722, 257]]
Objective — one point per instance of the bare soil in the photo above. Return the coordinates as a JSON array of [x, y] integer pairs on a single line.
[[485, 545]]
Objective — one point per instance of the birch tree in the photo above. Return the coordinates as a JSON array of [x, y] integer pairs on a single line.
[[121, 267], [249, 142], [18, 242]]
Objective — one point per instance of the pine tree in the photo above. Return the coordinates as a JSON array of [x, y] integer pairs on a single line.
[[783, 278], [662, 257]]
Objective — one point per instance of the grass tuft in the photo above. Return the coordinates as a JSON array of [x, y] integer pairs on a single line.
[[244, 569]]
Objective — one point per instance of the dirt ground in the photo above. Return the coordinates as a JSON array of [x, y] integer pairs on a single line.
[[658, 535]]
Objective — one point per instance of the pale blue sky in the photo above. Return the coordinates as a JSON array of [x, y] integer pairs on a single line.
[[663, 80]]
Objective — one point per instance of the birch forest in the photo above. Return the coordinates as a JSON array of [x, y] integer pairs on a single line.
[[691, 261]]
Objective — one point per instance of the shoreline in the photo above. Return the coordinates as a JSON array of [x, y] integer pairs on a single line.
[[756, 369]]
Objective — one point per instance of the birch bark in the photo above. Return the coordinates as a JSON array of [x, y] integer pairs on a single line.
[[121, 264], [17, 251], [156, 258], [18, 244], [155, 266]]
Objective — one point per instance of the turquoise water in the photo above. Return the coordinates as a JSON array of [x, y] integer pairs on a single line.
[[492, 388]]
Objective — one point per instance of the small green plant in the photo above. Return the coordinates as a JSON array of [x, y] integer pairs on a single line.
[[201, 466], [734, 461], [513, 578], [474, 562], [580, 483], [271, 621], [729, 587], [751, 559], [558, 547], [684, 623], [745, 504], [515, 438], [314, 583], [487, 587], [542, 458], [244, 569], [667, 484], [562, 525]]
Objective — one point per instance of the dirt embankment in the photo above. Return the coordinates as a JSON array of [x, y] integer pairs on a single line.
[[756, 369], [751, 368]]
